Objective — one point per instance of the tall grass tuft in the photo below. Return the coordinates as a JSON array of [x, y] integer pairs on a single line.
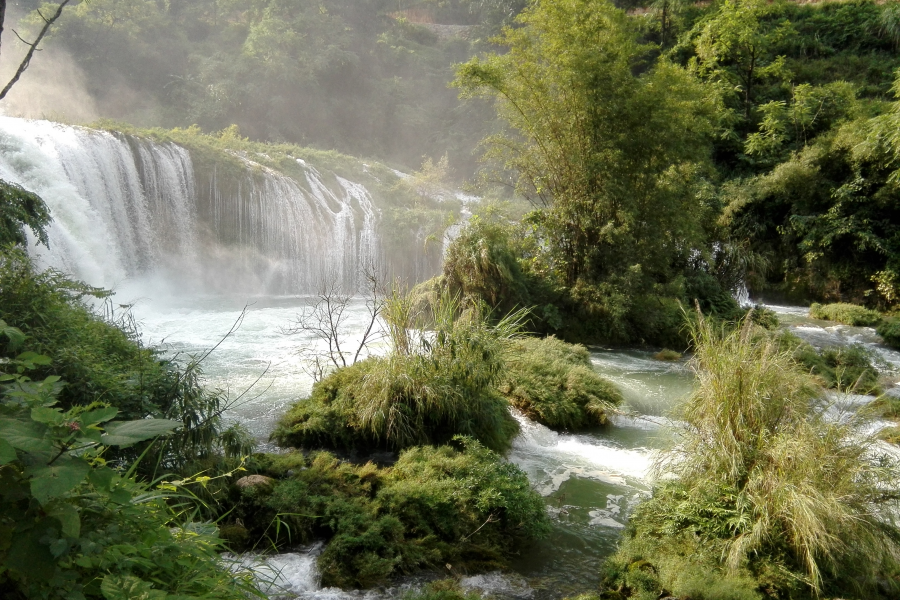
[[765, 477], [848, 314], [436, 385]]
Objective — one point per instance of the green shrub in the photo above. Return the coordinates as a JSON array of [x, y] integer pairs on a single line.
[[72, 527], [104, 359], [764, 317], [552, 382], [667, 355], [889, 330], [444, 386], [845, 368], [765, 492], [465, 506], [848, 314]]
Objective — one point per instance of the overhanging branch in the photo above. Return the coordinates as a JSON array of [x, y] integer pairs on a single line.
[[32, 47]]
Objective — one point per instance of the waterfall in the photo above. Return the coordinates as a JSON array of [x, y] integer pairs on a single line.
[[127, 210], [289, 235]]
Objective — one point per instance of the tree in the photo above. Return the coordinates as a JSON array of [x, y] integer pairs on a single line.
[[736, 45], [610, 158], [32, 46], [329, 343], [19, 207]]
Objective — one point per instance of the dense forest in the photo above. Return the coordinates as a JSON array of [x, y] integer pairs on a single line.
[[642, 167]]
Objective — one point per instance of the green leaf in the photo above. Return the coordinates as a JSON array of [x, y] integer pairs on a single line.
[[101, 478], [55, 480], [50, 416], [7, 452], [29, 556], [33, 358], [124, 433], [120, 495], [101, 415], [27, 436], [67, 515], [89, 436], [129, 587], [14, 334]]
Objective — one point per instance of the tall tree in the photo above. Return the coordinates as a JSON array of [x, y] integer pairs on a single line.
[[610, 157]]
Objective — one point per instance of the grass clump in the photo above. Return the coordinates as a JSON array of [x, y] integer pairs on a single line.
[[462, 505], [429, 389], [845, 368], [667, 355], [764, 493], [848, 314], [552, 382], [889, 330], [444, 589]]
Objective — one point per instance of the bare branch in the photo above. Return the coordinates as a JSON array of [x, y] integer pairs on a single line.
[[32, 46], [325, 324]]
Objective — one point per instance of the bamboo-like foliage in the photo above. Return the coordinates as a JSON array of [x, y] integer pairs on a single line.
[[797, 483]]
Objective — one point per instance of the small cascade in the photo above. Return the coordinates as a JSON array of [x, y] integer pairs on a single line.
[[550, 458], [131, 211]]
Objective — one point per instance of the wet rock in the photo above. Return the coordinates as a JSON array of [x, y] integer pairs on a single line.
[[260, 482]]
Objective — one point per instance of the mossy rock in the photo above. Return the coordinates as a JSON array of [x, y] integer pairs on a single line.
[[411, 398], [380, 522], [889, 330], [236, 536], [667, 355], [848, 314], [259, 483], [553, 382]]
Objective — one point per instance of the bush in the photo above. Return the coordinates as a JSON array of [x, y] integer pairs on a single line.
[[102, 358], [444, 386], [72, 527], [848, 314], [845, 368], [552, 382], [667, 355], [764, 317], [889, 330], [764, 487], [465, 506]]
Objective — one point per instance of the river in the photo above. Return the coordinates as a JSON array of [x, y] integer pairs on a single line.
[[590, 481]]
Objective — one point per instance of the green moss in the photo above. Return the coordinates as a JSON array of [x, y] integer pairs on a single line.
[[848, 314], [552, 382], [444, 589], [889, 330], [407, 399], [846, 368], [667, 355], [462, 505]]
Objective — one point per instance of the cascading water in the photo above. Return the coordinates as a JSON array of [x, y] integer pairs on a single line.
[[276, 234], [119, 210], [130, 210]]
